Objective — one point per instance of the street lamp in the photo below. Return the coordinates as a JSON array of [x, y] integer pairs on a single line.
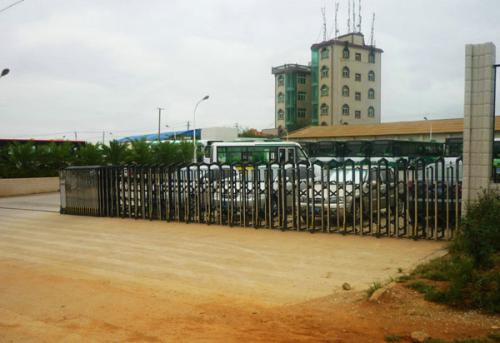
[[194, 127], [430, 133], [175, 132], [5, 72], [159, 122]]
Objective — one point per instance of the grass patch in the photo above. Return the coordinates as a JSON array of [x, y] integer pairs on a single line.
[[403, 278], [437, 270], [392, 338], [373, 287]]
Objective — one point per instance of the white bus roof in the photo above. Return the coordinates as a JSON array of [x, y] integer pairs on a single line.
[[273, 143]]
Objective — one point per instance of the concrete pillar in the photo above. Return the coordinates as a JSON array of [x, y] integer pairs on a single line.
[[479, 120]]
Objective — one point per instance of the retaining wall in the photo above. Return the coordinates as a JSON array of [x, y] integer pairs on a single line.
[[23, 186]]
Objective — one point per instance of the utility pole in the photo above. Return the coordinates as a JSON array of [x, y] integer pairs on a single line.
[[76, 136], [159, 122], [188, 125], [103, 134]]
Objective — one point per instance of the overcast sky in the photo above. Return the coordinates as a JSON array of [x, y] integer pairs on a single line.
[[89, 65]]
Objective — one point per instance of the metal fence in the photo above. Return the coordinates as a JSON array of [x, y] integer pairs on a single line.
[[384, 198]]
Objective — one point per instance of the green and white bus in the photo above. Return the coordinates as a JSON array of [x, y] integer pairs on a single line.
[[254, 152]]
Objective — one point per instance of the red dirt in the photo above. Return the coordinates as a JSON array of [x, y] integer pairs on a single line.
[[38, 304]]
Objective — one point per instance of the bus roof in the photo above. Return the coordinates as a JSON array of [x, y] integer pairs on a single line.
[[258, 143]]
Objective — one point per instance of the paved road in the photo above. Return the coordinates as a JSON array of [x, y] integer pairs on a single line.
[[37, 202]]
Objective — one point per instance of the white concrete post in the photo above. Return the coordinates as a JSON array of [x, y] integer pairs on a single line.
[[479, 120]]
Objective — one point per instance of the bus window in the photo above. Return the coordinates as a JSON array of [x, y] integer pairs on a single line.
[[234, 154], [301, 155], [207, 152], [291, 155], [272, 155], [281, 155], [221, 155]]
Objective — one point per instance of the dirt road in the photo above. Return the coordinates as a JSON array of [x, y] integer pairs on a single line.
[[69, 278]]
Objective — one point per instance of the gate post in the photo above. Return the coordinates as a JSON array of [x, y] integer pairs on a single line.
[[479, 120]]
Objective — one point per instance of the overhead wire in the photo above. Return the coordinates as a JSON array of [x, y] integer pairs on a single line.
[[11, 5]]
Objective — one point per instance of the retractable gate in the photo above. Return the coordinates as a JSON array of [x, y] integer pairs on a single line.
[[383, 198]]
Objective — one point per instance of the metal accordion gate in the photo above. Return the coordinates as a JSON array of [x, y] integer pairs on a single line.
[[398, 198]]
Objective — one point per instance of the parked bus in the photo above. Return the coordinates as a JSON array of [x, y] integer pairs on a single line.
[[358, 150], [255, 152]]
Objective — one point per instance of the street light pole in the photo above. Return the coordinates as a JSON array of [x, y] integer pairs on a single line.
[[194, 127], [159, 122], [430, 131]]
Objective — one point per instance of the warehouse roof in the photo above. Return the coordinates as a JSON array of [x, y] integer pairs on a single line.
[[455, 125]]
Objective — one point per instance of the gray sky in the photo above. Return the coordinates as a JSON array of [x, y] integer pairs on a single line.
[[89, 66]]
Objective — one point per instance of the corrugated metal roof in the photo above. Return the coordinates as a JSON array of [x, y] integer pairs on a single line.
[[455, 125]]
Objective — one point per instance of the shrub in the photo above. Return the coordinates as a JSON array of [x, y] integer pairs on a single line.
[[392, 338], [480, 234]]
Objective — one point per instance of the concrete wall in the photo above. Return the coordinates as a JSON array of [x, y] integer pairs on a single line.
[[22, 186], [478, 120]]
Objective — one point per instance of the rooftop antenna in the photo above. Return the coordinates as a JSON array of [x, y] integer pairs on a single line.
[[336, 15], [349, 16], [323, 14], [359, 16], [353, 16], [373, 29]]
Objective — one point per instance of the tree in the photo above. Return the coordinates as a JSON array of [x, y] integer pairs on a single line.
[[89, 155], [115, 153], [140, 152], [22, 160], [251, 133]]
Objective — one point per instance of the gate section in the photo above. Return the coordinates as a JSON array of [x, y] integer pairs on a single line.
[[393, 198]]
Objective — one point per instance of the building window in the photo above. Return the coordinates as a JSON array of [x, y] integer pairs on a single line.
[[281, 115], [281, 97], [358, 56], [371, 112], [345, 72], [371, 75], [301, 95], [324, 72], [324, 53], [301, 112], [371, 94], [357, 114], [345, 91], [281, 80], [324, 109], [345, 110], [357, 96], [324, 90], [345, 52], [371, 57], [301, 79], [357, 77]]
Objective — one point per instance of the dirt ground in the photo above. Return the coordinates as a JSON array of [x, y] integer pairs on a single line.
[[84, 279]]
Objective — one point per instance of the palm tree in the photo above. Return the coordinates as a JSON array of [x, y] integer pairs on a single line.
[[89, 154], [140, 152], [54, 157], [116, 153], [22, 160]]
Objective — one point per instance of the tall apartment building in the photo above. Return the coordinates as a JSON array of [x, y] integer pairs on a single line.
[[345, 85], [292, 96]]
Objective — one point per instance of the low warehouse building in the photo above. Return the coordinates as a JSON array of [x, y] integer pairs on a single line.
[[422, 130]]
